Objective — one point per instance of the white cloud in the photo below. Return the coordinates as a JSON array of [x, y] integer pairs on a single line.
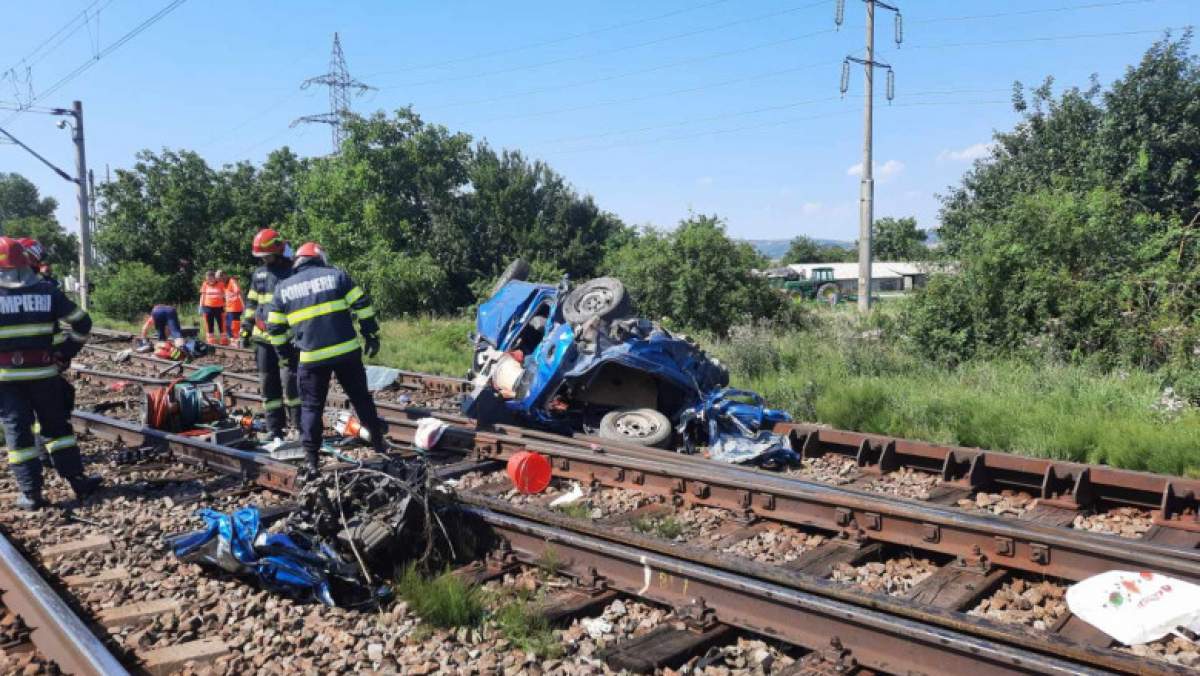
[[968, 154], [811, 208], [704, 180], [889, 169]]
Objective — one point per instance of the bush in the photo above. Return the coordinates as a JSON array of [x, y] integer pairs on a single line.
[[401, 284], [128, 290], [696, 277]]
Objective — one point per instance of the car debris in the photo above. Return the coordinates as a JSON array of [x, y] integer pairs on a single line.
[[351, 530], [576, 359]]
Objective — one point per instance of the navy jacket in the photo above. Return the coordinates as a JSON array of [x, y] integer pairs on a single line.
[[313, 308], [262, 293], [29, 321]]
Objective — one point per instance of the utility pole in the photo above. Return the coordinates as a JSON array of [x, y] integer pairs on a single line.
[[866, 195], [340, 84], [92, 210], [81, 181]]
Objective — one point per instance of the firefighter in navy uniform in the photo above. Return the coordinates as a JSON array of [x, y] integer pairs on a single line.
[[312, 314], [33, 352], [276, 377]]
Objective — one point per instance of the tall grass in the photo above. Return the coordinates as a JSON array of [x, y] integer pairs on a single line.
[[857, 376]]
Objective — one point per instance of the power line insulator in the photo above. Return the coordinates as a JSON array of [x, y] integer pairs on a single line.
[[839, 13], [891, 84], [845, 77], [899, 29]]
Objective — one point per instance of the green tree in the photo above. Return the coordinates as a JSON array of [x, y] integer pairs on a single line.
[[1075, 237], [128, 290], [804, 249], [694, 276], [19, 198], [898, 239]]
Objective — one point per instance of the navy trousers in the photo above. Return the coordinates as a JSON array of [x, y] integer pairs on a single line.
[[47, 401], [277, 383], [314, 388]]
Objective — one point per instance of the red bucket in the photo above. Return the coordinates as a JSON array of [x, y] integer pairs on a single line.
[[529, 471]]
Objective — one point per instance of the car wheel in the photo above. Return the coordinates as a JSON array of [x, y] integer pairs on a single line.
[[517, 271], [603, 297], [477, 363], [644, 426]]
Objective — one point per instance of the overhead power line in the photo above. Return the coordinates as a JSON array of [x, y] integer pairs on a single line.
[[341, 86], [553, 41], [640, 71], [1044, 38], [112, 47], [65, 31], [614, 50], [1028, 12]]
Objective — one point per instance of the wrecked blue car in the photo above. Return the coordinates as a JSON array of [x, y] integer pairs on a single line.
[[575, 359]]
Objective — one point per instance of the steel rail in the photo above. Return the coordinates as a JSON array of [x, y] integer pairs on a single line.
[[56, 630], [875, 639], [1174, 501], [282, 477], [1017, 636], [1007, 543]]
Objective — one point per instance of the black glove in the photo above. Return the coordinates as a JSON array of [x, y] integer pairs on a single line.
[[287, 351], [372, 345]]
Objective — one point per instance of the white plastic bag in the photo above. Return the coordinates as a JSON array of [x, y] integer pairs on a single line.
[[1133, 607], [429, 432]]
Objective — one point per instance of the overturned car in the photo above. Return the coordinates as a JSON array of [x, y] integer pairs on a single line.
[[576, 359]]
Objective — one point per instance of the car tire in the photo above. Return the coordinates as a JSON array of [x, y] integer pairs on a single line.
[[602, 297], [517, 271], [643, 426], [476, 363]]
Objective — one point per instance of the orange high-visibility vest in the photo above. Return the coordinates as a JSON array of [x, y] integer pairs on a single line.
[[212, 295], [233, 296]]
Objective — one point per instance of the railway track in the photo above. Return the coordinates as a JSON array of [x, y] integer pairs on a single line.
[[972, 554]]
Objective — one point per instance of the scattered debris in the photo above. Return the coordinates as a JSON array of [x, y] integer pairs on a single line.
[[351, 529], [737, 426], [530, 472], [429, 432], [1135, 607], [569, 497]]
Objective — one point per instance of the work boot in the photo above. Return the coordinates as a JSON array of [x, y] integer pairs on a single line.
[[84, 485], [379, 440], [31, 501]]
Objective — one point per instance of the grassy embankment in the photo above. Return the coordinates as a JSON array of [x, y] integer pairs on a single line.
[[840, 374]]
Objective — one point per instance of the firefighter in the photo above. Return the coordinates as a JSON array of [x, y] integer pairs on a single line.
[[165, 321], [34, 350], [212, 306], [276, 377], [312, 313], [233, 305], [35, 253]]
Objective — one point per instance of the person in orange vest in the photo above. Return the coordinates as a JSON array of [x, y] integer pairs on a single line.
[[234, 306], [212, 306]]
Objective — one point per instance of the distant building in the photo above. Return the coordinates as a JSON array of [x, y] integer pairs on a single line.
[[885, 275]]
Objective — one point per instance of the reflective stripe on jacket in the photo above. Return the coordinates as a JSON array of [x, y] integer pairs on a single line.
[[212, 294], [261, 293], [317, 305], [29, 321]]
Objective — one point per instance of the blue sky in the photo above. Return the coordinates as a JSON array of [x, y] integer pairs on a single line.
[[655, 108]]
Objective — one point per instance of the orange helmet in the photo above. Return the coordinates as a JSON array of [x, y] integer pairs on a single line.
[[34, 251], [12, 254], [308, 251], [267, 243]]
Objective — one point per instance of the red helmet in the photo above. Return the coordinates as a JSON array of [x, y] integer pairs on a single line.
[[266, 243], [307, 251], [34, 251], [12, 254]]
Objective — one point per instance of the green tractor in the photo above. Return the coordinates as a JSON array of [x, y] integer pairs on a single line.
[[820, 286]]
